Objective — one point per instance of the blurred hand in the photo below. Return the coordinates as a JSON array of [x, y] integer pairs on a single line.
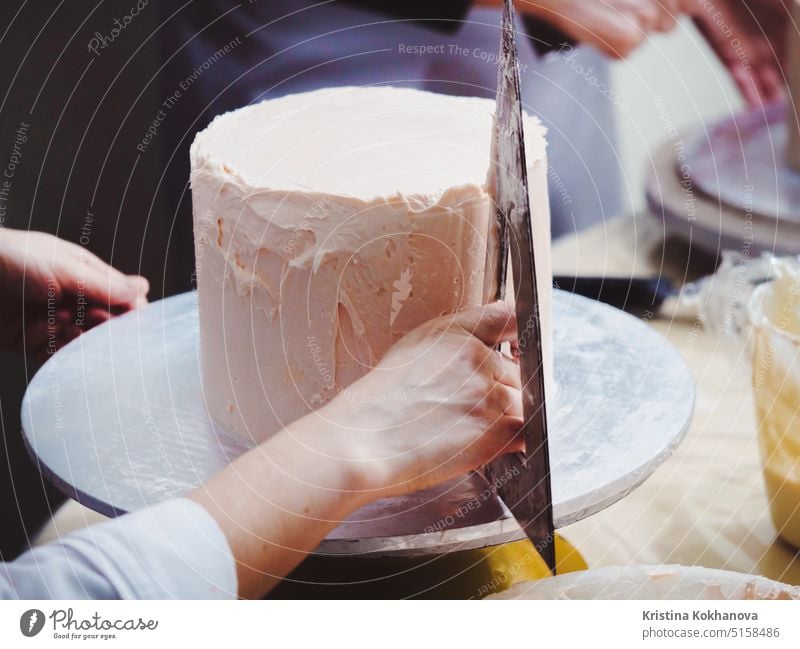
[[615, 27], [442, 402], [52, 290], [749, 37]]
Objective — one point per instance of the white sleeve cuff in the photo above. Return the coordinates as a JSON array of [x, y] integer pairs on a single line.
[[173, 550]]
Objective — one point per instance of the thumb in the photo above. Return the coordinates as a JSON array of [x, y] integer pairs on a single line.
[[491, 323]]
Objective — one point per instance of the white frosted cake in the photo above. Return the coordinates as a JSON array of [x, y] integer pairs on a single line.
[[329, 224]]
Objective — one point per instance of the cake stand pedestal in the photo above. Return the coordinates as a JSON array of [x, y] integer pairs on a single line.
[[117, 421]]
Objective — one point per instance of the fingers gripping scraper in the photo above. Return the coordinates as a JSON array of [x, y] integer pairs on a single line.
[[522, 480]]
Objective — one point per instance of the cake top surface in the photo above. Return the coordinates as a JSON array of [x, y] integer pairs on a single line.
[[366, 142]]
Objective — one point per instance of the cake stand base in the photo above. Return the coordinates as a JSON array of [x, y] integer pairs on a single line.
[[463, 574], [117, 420]]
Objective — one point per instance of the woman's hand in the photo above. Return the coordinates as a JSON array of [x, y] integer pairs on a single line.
[[749, 37], [52, 290], [441, 402]]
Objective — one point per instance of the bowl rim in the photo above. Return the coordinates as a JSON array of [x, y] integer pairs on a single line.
[[757, 319]]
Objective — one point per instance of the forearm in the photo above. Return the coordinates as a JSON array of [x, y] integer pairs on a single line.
[[276, 503]]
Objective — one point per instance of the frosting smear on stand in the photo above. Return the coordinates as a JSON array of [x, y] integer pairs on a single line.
[[329, 224]]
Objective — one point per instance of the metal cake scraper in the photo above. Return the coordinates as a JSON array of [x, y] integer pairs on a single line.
[[522, 480]]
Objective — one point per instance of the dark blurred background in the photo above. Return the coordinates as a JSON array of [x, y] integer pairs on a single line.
[[79, 178]]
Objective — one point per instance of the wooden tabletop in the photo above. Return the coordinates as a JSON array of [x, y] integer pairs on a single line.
[[706, 505]]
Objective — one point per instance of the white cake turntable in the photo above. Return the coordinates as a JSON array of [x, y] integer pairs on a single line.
[[117, 420]]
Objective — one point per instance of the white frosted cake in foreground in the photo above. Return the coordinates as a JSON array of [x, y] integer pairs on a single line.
[[328, 225], [643, 582]]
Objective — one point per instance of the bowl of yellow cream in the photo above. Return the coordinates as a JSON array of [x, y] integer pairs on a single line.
[[774, 312]]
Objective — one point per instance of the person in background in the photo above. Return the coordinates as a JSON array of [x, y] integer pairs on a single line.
[[288, 46], [245, 529]]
